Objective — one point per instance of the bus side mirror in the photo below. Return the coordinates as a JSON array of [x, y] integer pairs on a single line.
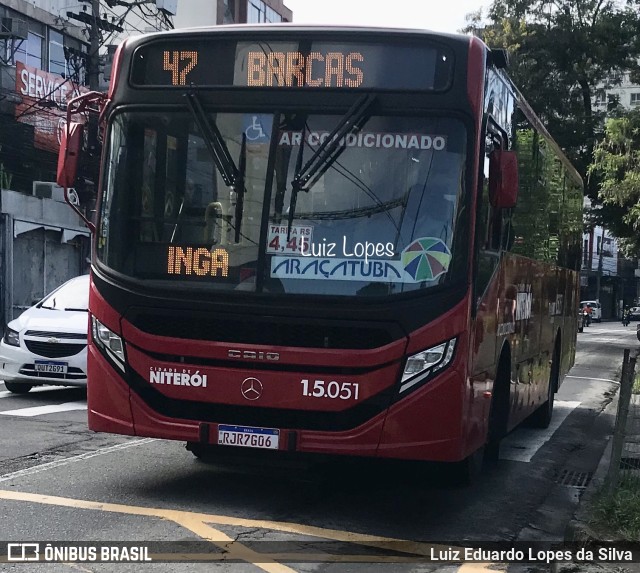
[[503, 179], [68, 159], [69, 155]]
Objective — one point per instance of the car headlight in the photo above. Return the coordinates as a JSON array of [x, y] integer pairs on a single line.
[[109, 342], [11, 337], [422, 365]]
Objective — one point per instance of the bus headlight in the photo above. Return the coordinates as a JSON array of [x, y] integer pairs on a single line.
[[422, 365], [109, 342]]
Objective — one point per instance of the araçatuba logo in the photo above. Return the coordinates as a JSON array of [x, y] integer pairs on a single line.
[[425, 259]]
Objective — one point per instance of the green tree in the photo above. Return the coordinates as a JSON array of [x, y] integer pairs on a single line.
[[561, 53], [616, 164]]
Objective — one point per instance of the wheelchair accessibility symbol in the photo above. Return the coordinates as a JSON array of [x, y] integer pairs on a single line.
[[257, 128]]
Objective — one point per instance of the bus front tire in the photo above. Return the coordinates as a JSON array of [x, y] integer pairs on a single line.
[[199, 451], [498, 410], [467, 471]]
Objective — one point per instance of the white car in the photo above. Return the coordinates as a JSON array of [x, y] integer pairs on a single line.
[[47, 343], [596, 314]]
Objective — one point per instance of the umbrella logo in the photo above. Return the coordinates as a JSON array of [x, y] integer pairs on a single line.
[[426, 259]]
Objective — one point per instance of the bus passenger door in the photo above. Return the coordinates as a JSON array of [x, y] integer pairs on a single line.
[[486, 298]]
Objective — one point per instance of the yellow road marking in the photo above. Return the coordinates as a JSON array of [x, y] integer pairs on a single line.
[[199, 524], [236, 551], [479, 568]]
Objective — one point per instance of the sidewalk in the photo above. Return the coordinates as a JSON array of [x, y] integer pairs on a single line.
[[580, 529]]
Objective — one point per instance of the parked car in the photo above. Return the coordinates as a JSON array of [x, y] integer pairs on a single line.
[[47, 343], [634, 313], [596, 315]]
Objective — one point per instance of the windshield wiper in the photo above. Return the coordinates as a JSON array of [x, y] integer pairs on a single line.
[[242, 170], [328, 152], [214, 141], [232, 176]]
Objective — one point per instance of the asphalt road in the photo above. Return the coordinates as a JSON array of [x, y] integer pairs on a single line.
[[60, 482]]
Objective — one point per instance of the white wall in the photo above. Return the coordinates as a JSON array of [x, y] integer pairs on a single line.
[[59, 7], [196, 13]]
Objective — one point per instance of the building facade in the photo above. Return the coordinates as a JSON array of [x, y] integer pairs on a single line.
[[618, 91], [619, 277], [44, 62], [605, 274], [600, 271], [211, 12]]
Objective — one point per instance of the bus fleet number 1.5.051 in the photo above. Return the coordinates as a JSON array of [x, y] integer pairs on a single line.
[[333, 389]]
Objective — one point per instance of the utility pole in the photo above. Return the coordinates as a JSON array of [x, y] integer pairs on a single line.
[[93, 71], [599, 275], [95, 24], [94, 47]]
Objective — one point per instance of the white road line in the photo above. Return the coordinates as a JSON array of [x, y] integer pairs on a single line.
[[71, 460], [605, 339], [595, 379], [521, 445], [50, 409]]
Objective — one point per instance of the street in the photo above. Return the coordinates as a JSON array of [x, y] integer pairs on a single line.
[[59, 481]]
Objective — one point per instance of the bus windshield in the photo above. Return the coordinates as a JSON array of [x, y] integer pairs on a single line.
[[217, 201]]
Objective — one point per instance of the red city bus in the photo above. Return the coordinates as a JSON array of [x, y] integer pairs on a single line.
[[326, 240]]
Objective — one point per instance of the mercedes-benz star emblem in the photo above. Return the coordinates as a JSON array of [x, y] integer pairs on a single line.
[[52, 340], [251, 388]]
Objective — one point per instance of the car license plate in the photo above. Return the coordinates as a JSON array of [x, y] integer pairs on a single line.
[[51, 367], [248, 437]]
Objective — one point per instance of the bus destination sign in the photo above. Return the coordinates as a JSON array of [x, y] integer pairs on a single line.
[[194, 62]]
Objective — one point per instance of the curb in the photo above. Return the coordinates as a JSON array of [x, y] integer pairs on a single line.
[[578, 529]]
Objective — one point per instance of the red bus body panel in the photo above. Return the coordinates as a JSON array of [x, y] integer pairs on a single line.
[[427, 425]]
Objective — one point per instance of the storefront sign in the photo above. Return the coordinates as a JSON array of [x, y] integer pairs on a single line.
[[44, 102]]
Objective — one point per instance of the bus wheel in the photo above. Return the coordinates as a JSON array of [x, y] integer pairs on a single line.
[[541, 418], [198, 450], [498, 411], [467, 471]]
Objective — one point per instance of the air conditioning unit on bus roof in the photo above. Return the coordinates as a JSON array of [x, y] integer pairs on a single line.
[[51, 190]]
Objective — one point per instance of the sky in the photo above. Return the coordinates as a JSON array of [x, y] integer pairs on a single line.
[[437, 15]]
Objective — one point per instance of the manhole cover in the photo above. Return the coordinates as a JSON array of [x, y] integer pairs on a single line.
[[574, 478]]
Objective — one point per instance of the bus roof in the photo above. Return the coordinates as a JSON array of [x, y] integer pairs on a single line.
[[292, 28]]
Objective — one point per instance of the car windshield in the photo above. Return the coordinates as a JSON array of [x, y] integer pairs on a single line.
[[381, 215], [73, 295]]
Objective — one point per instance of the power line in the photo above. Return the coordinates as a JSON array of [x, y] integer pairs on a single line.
[[100, 31]]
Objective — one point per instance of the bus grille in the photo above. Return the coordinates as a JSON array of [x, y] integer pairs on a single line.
[[240, 329]]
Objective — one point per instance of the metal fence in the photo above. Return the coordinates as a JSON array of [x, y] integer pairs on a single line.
[[625, 445]]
